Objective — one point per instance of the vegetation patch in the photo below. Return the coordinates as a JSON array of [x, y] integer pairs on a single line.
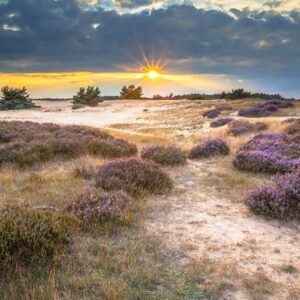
[[280, 200], [209, 148], [31, 235], [164, 155], [97, 206], [239, 127], [28, 143], [133, 175], [87, 97], [211, 114], [220, 122], [15, 99], [269, 153]]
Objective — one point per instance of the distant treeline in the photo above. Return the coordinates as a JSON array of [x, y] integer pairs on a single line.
[[234, 94]]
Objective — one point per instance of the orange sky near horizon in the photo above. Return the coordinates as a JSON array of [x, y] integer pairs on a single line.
[[65, 84]]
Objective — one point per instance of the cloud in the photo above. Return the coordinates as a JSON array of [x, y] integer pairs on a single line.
[[67, 35]]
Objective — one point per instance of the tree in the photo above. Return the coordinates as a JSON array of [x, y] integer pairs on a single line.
[[131, 92], [89, 96], [15, 98]]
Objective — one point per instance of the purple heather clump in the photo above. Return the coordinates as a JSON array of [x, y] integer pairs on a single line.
[[133, 175], [254, 112], [211, 147], [164, 155], [220, 122], [280, 200], [271, 107], [19, 140], [224, 106], [269, 153], [211, 114], [96, 206], [239, 127]]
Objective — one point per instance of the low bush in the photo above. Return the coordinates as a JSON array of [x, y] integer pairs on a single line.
[[220, 122], [254, 112], [239, 127], [293, 128], [280, 200], [210, 148], [211, 114], [97, 206], [164, 155], [269, 153], [133, 175], [224, 106], [29, 235], [89, 96], [27, 143]]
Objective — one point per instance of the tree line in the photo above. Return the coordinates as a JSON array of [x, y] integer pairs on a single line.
[[18, 98]]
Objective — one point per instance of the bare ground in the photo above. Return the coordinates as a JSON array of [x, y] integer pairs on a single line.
[[231, 253]]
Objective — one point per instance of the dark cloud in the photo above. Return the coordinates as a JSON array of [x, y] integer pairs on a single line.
[[58, 35]]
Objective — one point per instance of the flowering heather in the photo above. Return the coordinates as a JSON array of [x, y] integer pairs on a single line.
[[27, 143], [220, 122], [95, 206], [239, 127], [280, 200], [211, 114], [30, 235], [269, 153], [254, 112], [164, 155], [212, 147], [133, 175]]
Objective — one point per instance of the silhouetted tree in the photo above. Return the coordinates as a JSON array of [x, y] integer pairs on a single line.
[[131, 92], [89, 96]]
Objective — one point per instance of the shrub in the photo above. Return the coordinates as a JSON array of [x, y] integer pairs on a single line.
[[224, 106], [280, 200], [30, 235], [209, 148], [133, 175], [269, 153], [239, 127], [27, 143], [89, 96], [220, 122], [111, 148], [131, 92], [97, 206], [211, 114], [14, 98], [164, 155], [294, 128], [254, 112]]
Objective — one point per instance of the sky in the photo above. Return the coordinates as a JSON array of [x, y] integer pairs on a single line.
[[53, 47]]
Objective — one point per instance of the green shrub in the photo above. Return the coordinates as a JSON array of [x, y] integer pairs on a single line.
[[30, 235], [89, 96], [14, 98]]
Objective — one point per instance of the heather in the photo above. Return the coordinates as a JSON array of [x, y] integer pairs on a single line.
[[134, 176], [28, 143], [95, 205], [220, 122], [269, 153], [164, 155], [279, 200], [264, 109], [29, 235], [239, 127], [211, 114], [209, 148]]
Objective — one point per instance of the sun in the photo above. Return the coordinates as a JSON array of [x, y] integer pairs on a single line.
[[153, 74]]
